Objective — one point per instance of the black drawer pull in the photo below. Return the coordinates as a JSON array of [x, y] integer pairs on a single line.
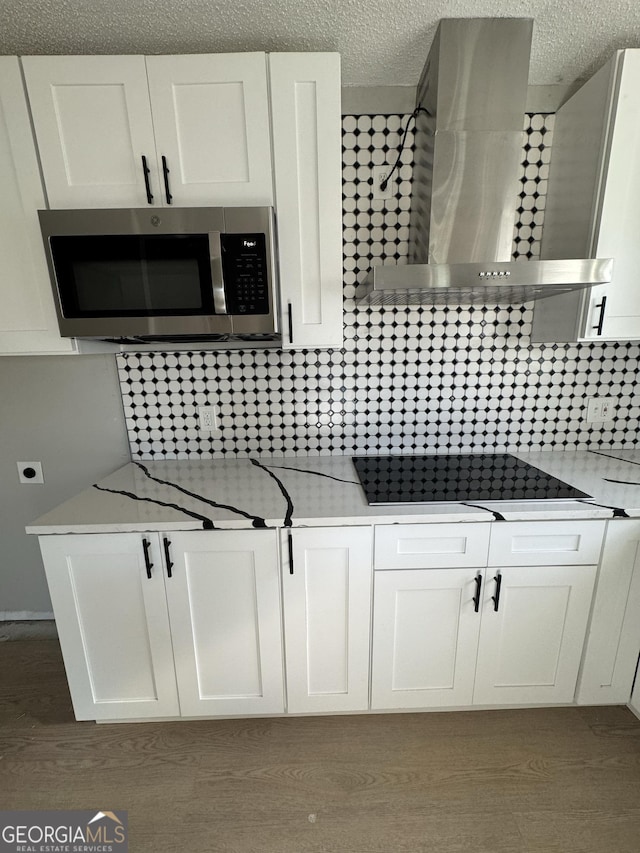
[[147, 185], [476, 597], [290, 315], [147, 559], [165, 172], [496, 598], [290, 540], [601, 306], [167, 555]]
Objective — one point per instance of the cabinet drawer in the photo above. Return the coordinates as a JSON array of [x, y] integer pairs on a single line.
[[431, 546], [546, 543]]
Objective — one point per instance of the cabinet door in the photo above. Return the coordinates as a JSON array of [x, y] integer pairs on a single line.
[[616, 234], [634, 703], [306, 128], [27, 320], [613, 641], [211, 122], [591, 208], [93, 124], [531, 646], [425, 637], [113, 625], [327, 617], [224, 605]]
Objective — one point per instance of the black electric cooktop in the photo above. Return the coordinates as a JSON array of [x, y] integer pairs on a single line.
[[464, 478]]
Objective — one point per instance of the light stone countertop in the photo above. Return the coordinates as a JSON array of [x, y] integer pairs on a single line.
[[318, 491]]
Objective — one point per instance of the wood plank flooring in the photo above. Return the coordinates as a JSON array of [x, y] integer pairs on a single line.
[[564, 780]]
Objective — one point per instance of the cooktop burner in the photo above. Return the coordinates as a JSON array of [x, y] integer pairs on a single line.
[[464, 477]]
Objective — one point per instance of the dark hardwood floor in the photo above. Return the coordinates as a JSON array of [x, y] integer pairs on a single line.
[[563, 780]]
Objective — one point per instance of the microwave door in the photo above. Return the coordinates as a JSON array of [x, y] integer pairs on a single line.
[[136, 285], [217, 276]]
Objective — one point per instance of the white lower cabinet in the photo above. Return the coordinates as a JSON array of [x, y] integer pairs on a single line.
[[186, 624], [613, 641], [634, 702], [532, 634], [201, 624], [326, 588], [505, 635], [425, 638], [431, 648], [224, 609], [112, 620]]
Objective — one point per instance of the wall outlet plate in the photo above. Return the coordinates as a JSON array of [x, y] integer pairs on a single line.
[[600, 409], [30, 472], [379, 174], [208, 420]]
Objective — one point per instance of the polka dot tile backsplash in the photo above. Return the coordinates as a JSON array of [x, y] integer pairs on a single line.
[[439, 378]]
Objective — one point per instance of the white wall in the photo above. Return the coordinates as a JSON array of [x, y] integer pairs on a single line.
[[66, 412]]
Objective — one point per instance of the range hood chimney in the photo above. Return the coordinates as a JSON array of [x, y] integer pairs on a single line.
[[469, 140]]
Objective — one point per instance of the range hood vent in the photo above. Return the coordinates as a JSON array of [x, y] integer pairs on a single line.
[[469, 139]]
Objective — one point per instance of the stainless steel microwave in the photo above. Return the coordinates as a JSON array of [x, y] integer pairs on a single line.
[[180, 274]]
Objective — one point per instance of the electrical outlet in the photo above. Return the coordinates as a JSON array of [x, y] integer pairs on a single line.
[[379, 175], [30, 472], [600, 409], [208, 420]]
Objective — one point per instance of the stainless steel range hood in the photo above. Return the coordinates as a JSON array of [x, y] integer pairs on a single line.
[[469, 139]]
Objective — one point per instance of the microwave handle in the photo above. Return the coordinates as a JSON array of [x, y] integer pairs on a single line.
[[217, 278]]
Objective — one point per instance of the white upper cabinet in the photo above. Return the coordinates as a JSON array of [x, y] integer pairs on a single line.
[[93, 124], [211, 120], [235, 130], [130, 131], [306, 132], [591, 206], [27, 320]]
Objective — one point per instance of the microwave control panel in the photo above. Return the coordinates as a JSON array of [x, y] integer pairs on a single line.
[[246, 274]]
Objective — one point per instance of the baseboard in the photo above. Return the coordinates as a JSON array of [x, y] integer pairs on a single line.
[[23, 616]]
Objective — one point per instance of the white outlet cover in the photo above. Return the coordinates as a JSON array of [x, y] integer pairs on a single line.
[[379, 174], [600, 409], [208, 420], [36, 477]]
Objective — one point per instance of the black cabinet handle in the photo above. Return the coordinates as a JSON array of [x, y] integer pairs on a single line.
[[165, 172], [147, 559], [290, 315], [496, 598], [290, 540], [476, 597], [601, 306], [167, 555], [147, 185]]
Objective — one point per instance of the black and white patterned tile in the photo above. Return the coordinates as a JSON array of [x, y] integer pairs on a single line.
[[437, 378]]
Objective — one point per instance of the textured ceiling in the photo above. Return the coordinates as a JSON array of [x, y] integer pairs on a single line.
[[382, 42]]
